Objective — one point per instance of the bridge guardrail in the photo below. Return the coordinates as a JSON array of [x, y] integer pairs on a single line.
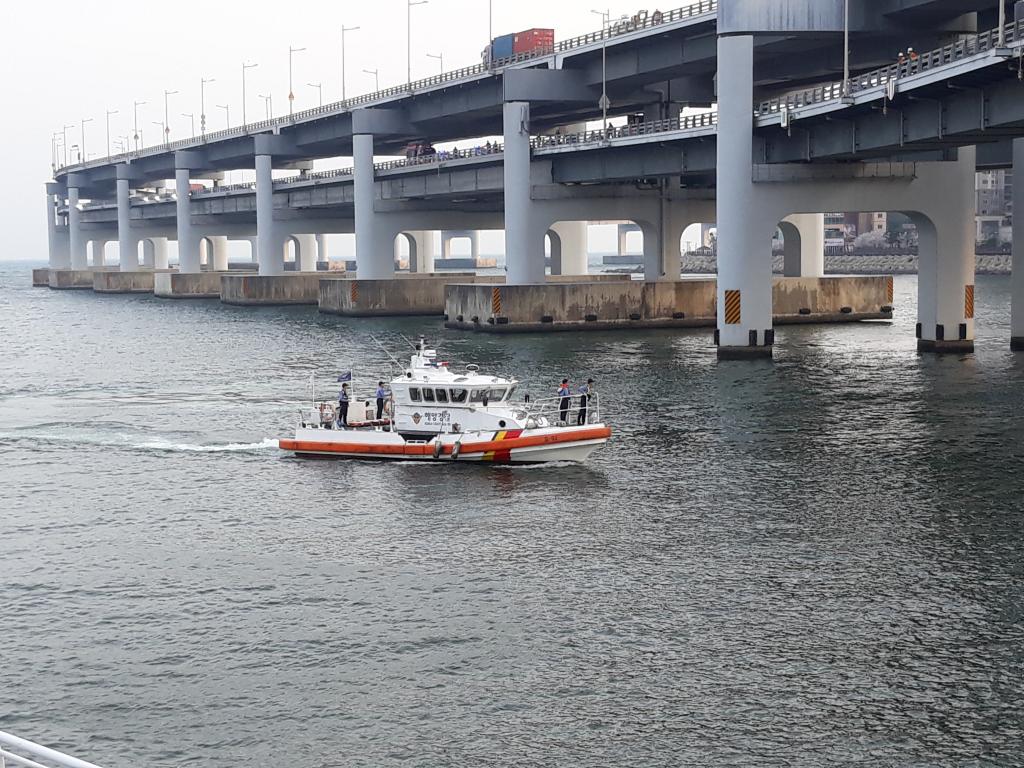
[[699, 8], [961, 49]]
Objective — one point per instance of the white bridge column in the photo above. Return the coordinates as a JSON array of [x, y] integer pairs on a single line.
[[524, 244], [56, 239], [744, 252], [127, 246], [803, 237], [76, 242], [945, 293], [1017, 273], [98, 253], [219, 255], [307, 253], [269, 250], [159, 252], [572, 248], [375, 254], [188, 242], [322, 254]]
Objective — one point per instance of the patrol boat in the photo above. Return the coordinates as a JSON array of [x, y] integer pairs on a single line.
[[435, 413]]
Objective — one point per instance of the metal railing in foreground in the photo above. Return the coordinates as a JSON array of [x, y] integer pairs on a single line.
[[550, 410], [15, 751]]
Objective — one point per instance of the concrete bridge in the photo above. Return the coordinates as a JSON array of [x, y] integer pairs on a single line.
[[779, 131]]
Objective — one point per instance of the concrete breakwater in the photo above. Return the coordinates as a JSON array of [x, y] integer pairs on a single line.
[[873, 264]]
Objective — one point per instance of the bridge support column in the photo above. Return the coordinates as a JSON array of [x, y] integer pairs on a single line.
[[945, 303], [421, 251], [307, 253], [269, 250], [56, 239], [188, 242], [159, 253], [623, 231], [98, 253], [375, 256], [217, 258], [571, 247], [76, 242], [744, 290], [322, 253], [803, 245], [524, 241], [662, 251], [127, 246], [1017, 273]]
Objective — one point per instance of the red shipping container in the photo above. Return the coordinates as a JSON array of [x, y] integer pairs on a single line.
[[534, 41]]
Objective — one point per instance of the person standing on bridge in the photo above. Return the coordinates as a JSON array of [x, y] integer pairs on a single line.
[[566, 400], [343, 406], [382, 396], [585, 392]]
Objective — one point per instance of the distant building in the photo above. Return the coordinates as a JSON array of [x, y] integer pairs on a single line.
[[994, 200]]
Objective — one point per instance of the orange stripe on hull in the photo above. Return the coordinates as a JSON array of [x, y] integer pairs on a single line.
[[502, 447]]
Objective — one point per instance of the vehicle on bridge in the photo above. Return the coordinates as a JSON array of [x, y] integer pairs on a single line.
[[432, 413]]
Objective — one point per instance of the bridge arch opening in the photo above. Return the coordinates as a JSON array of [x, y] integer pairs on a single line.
[[417, 248], [568, 247]]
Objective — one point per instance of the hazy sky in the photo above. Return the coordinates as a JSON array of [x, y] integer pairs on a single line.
[[63, 61]]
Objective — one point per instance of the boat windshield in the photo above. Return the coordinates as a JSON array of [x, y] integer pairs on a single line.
[[495, 395]]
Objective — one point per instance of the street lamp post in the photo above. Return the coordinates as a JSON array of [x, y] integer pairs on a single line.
[[846, 49], [320, 89], [109, 113], [84, 121], [167, 117], [191, 116], [202, 102], [245, 66], [604, 103], [64, 134], [1002, 23], [408, 38], [291, 91], [376, 75], [136, 123], [440, 59], [227, 113], [268, 103], [344, 29]]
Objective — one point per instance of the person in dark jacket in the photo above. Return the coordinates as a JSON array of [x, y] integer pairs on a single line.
[[566, 400], [585, 392], [343, 406]]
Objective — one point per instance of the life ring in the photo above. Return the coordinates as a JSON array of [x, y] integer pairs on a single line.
[[455, 449], [438, 447]]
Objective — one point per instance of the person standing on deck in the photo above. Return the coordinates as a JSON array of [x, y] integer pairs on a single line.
[[585, 391], [343, 406], [566, 400], [382, 396]]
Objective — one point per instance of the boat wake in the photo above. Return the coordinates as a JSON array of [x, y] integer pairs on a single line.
[[132, 441]]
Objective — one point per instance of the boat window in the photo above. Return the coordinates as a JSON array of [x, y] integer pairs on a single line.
[[442, 395], [428, 395], [496, 395], [511, 391], [414, 394], [477, 395], [459, 395]]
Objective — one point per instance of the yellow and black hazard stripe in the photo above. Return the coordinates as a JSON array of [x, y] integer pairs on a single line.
[[733, 310], [890, 290], [353, 291], [496, 301], [969, 302]]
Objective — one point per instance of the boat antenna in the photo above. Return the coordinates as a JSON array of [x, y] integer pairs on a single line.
[[385, 350], [406, 340]]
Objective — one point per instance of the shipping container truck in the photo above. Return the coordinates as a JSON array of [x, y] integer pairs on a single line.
[[535, 41]]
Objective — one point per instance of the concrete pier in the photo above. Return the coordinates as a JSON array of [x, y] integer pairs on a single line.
[[123, 282], [175, 285], [40, 278], [270, 290], [71, 279], [662, 304], [412, 295]]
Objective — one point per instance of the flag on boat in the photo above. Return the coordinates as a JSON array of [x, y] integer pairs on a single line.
[[346, 376]]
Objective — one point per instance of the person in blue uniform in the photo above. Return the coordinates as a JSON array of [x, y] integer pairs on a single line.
[[382, 396], [585, 390], [566, 400], [343, 406]]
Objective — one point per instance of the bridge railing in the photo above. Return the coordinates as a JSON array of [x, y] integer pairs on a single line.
[[910, 65], [15, 751], [616, 29]]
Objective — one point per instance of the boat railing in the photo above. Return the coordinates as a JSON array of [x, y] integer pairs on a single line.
[[15, 751], [550, 408]]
